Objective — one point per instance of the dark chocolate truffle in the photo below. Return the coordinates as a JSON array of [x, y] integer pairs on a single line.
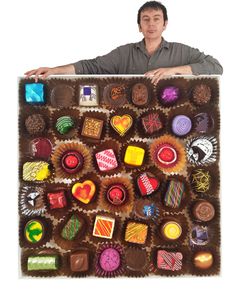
[[201, 94], [79, 261], [203, 211], [200, 180], [62, 96], [139, 94], [170, 95], [40, 148], [135, 259], [146, 209], [203, 122], [35, 124]]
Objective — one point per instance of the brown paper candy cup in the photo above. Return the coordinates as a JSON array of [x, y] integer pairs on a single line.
[[60, 151], [34, 232], [71, 230], [114, 200]]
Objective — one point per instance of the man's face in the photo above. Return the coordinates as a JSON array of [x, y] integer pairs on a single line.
[[152, 23]]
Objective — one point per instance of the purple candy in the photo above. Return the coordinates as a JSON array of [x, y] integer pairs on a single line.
[[170, 94], [109, 260], [181, 125], [199, 236]]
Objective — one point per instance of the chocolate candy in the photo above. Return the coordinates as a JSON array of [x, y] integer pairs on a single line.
[[40, 148], [199, 236], [72, 162], [64, 124], [57, 200], [136, 233], [116, 194], [34, 231], [43, 262], [152, 123], [34, 93], [103, 227], [203, 211], [201, 94], [174, 193], [171, 261], [200, 180], [166, 155], [92, 128], [135, 259], [88, 95], [31, 201], [36, 171], [79, 261], [134, 156], [203, 122], [170, 95], [146, 209], [181, 125], [139, 95], [35, 124], [62, 96], [203, 260], [121, 124], [106, 160], [72, 227], [202, 150], [147, 183], [171, 230], [110, 260], [84, 192], [115, 94]]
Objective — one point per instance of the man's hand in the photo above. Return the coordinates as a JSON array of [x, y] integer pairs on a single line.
[[157, 74], [42, 72]]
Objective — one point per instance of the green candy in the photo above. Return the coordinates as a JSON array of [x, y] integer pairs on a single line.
[[64, 124], [71, 229], [42, 262]]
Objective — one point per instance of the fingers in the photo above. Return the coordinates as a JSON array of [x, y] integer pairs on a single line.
[[30, 73], [39, 72], [155, 75]]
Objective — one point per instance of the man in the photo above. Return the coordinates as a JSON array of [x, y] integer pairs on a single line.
[[153, 56]]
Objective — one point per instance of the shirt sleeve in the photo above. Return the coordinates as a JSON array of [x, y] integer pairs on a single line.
[[203, 64], [106, 64]]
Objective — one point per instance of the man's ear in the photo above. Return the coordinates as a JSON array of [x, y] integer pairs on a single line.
[[139, 28], [165, 24]]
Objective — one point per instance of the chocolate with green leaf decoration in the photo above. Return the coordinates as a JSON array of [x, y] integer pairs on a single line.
[[64, 124], [72, 228], [34, 231]]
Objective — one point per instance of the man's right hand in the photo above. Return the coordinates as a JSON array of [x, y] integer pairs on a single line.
[[42, 72]]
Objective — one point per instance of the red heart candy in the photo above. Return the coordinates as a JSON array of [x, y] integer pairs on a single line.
[[147, 183]]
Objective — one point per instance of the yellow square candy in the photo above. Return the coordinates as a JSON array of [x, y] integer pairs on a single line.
[[134, 156]]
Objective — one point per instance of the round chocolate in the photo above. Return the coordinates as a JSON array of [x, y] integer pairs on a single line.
[[116, 194], [203, 211], [64, 124], [35, 124], [139, 94], [181, 125], [203, 260], [171, 230], [201, 94], [203, 122], [166, 155], [62, 96], [199, 236], [72, 161], [200, 180], [146, 209], [135, 259], [40, 148], [34, 231], [170, 95], [110, 260]]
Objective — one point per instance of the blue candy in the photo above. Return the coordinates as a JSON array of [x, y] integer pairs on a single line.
[[34, 93]]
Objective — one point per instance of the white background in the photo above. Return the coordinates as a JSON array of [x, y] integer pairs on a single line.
[[49, 33]]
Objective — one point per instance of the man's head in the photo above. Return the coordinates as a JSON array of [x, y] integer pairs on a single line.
[[152, 19]]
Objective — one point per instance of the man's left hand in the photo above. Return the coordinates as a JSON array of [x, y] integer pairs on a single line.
[[157, 74]]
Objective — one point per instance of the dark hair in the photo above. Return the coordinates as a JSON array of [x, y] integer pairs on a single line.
[[154, 5]]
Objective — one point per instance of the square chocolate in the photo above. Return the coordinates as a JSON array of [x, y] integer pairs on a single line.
[[79, 261], [57, 200], [92, 128], [34, 93], [106, 160], [88, 95]]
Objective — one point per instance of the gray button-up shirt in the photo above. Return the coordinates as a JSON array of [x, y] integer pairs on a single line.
[[133, 59]]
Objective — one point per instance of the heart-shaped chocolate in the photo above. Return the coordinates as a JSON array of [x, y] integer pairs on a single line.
[[147, 183], [84, 192], [121, 124]]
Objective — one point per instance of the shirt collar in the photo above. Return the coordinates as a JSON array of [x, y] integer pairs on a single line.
[[141, 45]]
